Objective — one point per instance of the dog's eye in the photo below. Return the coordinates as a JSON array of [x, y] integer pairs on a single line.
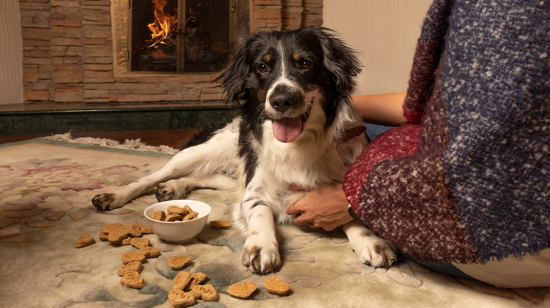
[[305, 64], [262, 68]]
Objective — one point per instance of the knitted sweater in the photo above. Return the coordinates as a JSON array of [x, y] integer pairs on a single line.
[[467, 178]]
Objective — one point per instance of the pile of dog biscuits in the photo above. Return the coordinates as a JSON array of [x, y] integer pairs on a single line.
[[175, 213]]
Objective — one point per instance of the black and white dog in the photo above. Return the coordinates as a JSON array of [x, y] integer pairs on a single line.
[[293, 89]]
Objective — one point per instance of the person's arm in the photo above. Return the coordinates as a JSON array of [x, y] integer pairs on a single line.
[[382, 109], [327, 207]]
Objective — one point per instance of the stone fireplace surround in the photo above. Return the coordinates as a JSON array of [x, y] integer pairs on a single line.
[[70, 54]]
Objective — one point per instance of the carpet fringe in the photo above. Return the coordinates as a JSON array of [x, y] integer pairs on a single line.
[[129, 144]]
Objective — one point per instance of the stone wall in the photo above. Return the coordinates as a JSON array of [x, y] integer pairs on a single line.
[[272, 15], [68, 53]]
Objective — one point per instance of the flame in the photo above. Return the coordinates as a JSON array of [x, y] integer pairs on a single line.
[[163, 23]]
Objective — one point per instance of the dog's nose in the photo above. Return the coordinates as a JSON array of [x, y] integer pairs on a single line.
[[282, 101]]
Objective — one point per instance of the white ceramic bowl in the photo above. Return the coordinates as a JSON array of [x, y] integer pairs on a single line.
[[178, 231]]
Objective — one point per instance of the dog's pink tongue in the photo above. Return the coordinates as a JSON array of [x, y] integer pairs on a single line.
[[287, 129]]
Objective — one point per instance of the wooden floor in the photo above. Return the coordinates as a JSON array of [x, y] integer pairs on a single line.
[[173, 138]]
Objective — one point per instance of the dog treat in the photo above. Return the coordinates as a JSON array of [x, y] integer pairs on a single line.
[[174, 209], [110, 227], [149, 252], [126, 241], [196, 279], [181, 280], [133, 229], [116, 236], [275, 285], [146, 229], [103, 236], [177, 263], [158, 215], [139, 242], [128, 257], [220, 224], [179, 298], [206, 292], [243, 290], [84, 240], [190, 216], [174, 217], [132, 279], [134, 266]]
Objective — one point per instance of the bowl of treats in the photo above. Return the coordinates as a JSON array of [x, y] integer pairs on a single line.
[[177, 221]]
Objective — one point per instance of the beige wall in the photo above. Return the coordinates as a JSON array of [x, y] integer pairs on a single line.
[[11, 53], [385, 33]]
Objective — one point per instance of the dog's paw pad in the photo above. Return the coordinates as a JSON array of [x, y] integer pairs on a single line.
[[163, 192], [260, 260], [103, 202]]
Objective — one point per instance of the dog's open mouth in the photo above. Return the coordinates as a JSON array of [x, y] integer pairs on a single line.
[[288, 129]]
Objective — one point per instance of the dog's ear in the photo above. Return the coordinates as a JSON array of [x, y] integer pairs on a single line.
[[234, 78], [341, 62]]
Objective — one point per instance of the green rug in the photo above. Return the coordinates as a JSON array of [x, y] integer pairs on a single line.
[[45, 192]]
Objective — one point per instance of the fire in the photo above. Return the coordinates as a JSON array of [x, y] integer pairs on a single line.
[[164, 23]]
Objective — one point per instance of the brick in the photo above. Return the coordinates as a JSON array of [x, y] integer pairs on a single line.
[[66, 13], [66, 42], [36, 43], [120, 86], [45, 76], [98, 67], [42, 86], [211, 97], [30, 77], [44, 68], [267, 2], [98, 74], [98, 60], [267, 13], [29, 60], [74, 51], [30, 95], [58, 51], [66, 22], [30, 68], [37, 53], [98, 50], [96, 3], [73, 76], [95, 42], [94, 17], [60, 29], [68, 67], [96, 94], [147, 98], [65, 3], [36, 34], [69, 95], [33, 6], [96, 32], [72, 60]]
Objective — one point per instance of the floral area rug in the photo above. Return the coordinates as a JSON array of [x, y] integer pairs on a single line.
[[45, 192]]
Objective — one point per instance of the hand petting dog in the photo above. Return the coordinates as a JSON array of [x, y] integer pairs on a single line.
[[325, 207]]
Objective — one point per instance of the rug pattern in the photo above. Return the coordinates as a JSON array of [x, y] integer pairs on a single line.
[[45, 192]]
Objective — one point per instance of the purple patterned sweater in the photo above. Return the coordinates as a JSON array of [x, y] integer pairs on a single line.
[[467, 178]]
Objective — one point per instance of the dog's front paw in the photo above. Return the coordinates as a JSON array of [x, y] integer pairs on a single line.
[[374, 251], [104, 202], [261, 258], [164, 192]]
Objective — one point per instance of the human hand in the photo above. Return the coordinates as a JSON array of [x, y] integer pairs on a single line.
[[325, 207]]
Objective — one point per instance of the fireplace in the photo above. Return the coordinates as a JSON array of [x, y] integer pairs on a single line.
[[182, 36], [95, 51]]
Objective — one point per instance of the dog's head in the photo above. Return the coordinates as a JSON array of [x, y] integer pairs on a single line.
[[279, 75]]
